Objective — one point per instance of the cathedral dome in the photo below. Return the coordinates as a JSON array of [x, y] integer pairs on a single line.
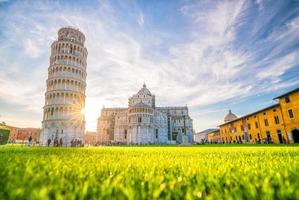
[[230, 116], [144, 91]]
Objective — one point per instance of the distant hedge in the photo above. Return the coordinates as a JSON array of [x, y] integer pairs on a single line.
[[4, 135]]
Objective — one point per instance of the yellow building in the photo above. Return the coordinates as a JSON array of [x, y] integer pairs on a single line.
[[214, 137], [278, 123]]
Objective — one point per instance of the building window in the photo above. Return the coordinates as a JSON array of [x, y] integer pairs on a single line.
[[291, 114], [268, 138], [256, 125], [242, 128], [139, 119], [249, 126], [276, 118], [287, 99], [157, 132], [125, 133], [250, 136], [266, 122]]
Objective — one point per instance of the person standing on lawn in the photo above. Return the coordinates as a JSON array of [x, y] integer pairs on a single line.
[[30, 140]]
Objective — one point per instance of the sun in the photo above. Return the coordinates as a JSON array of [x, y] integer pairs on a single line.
[[91, 113]]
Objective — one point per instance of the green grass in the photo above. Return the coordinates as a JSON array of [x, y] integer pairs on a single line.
[[212, 172]]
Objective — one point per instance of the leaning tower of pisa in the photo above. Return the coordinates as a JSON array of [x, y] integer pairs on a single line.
[[63, 119]]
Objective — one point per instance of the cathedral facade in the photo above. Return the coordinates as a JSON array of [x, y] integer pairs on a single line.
[[144, 123]]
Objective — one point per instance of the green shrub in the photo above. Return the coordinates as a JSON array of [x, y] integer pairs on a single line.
[[4, 135]]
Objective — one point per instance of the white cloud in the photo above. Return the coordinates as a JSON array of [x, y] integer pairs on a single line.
[[31, 48], [141, 19], [279, 67]]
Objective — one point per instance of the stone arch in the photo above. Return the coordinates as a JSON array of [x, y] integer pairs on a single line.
[[295, 135], [56, 110]]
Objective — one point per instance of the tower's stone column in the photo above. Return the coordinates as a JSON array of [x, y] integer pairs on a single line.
[[63, 119]]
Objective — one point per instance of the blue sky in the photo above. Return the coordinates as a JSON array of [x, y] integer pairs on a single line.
[[211, 55]]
